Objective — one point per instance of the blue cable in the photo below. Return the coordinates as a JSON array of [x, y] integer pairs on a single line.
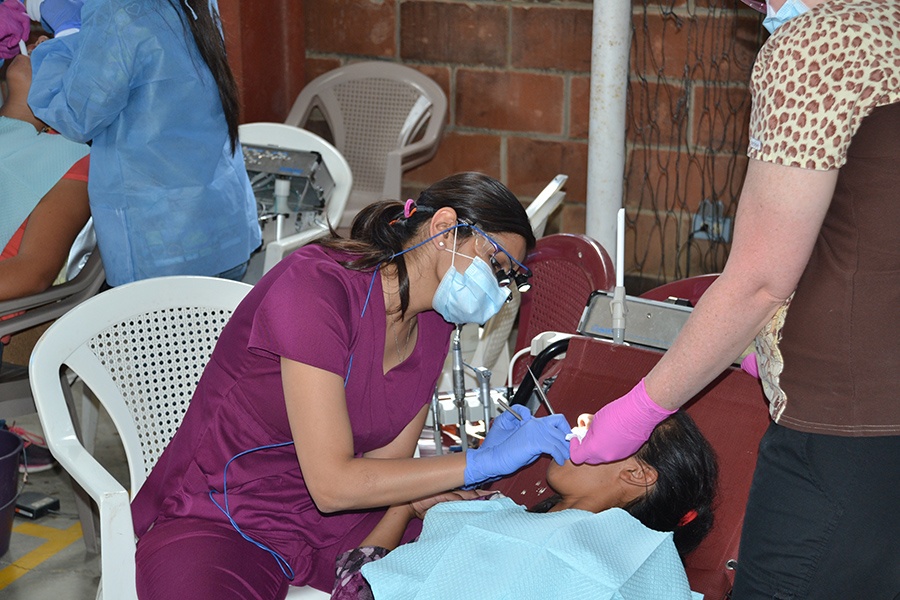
[[282, 563]]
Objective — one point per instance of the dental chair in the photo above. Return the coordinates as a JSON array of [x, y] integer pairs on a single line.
[[567, 268], [386, 118], [141, 349], [731, 412], [689, 289]]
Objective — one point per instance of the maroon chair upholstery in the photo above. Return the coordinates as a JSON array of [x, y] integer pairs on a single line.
[[567, 268], [689, 289], [731, 413]]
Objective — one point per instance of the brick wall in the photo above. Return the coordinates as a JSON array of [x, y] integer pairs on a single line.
[[517, 77]]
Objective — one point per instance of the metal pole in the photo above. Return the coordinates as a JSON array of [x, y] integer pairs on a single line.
[[611, 45]]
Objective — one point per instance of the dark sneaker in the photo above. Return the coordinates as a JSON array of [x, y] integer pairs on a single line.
[[37, 456]]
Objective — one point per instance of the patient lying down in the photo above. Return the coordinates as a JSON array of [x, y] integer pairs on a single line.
[[600, 531]]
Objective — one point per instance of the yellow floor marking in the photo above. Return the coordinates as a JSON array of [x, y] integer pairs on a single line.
[[57, 540]]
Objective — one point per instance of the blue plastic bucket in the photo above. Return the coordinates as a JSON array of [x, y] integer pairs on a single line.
[[10, 453]]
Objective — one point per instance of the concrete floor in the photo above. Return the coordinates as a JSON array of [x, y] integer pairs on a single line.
[[47, 557]]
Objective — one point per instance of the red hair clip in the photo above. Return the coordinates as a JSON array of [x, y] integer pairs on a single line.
[[687, 518]]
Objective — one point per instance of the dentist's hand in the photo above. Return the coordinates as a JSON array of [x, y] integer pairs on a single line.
[[619, 429], [61, 16], [505, 424], [523, 446], [15, 26]]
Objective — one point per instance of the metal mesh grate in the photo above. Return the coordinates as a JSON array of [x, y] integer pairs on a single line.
[[156, 360], [686, 131], [374, 112]]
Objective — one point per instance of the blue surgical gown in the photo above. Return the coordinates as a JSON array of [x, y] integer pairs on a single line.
[[167, 195]]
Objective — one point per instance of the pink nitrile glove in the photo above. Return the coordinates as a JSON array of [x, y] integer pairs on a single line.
[[14, 27], [750, 366], [619, 429]]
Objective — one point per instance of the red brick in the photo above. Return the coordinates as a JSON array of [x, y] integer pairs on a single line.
[[509, 101], [459, 152], [668, 181], [656, 113], [579, 107], [357, 27], [720, 48], [533, 163], [721, 118], [552, 38], [472, 34], [320, 66]]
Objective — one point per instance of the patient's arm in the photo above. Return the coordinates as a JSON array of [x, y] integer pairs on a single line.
[[52, 227], [390, 529], [349, 583]]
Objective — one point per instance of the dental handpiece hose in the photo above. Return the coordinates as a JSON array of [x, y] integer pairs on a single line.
[[459, 387]]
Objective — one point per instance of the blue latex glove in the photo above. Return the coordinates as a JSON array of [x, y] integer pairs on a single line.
[[505, 424], [523, 446], [61, 16], [14, 27]]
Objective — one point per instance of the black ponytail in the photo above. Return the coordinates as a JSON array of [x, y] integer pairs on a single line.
[[682, 499], [207, 33], [381, 230]]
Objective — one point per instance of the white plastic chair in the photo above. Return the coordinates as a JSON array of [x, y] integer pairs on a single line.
[[386, 118], [141, 349], [279, 135]]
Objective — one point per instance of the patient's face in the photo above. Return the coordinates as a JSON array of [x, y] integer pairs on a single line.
[[601, 485], [18, 73]]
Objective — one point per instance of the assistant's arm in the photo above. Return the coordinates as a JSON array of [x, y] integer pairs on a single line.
[[52, 228], [81, 82], [780, 213]]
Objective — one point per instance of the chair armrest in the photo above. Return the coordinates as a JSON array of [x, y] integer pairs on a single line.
[[54, 302]]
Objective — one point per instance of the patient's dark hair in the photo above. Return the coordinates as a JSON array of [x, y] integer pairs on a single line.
[[206, 31], [381, 230], [687, 476]]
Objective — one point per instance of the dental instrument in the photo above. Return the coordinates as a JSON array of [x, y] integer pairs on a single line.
[[459, 386], [540, 392], [502, 404], [23, 48]]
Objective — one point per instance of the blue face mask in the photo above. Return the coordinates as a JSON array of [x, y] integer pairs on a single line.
[[470, 297], [790, 9]]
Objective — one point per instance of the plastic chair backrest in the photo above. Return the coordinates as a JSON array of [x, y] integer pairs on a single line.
[[567, 268], [141, 349], [731, 413], [386, 118], [544, 204], [689, 289], [294, 138]]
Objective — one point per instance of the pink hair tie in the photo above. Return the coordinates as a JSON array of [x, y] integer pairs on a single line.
[[409, 208]]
